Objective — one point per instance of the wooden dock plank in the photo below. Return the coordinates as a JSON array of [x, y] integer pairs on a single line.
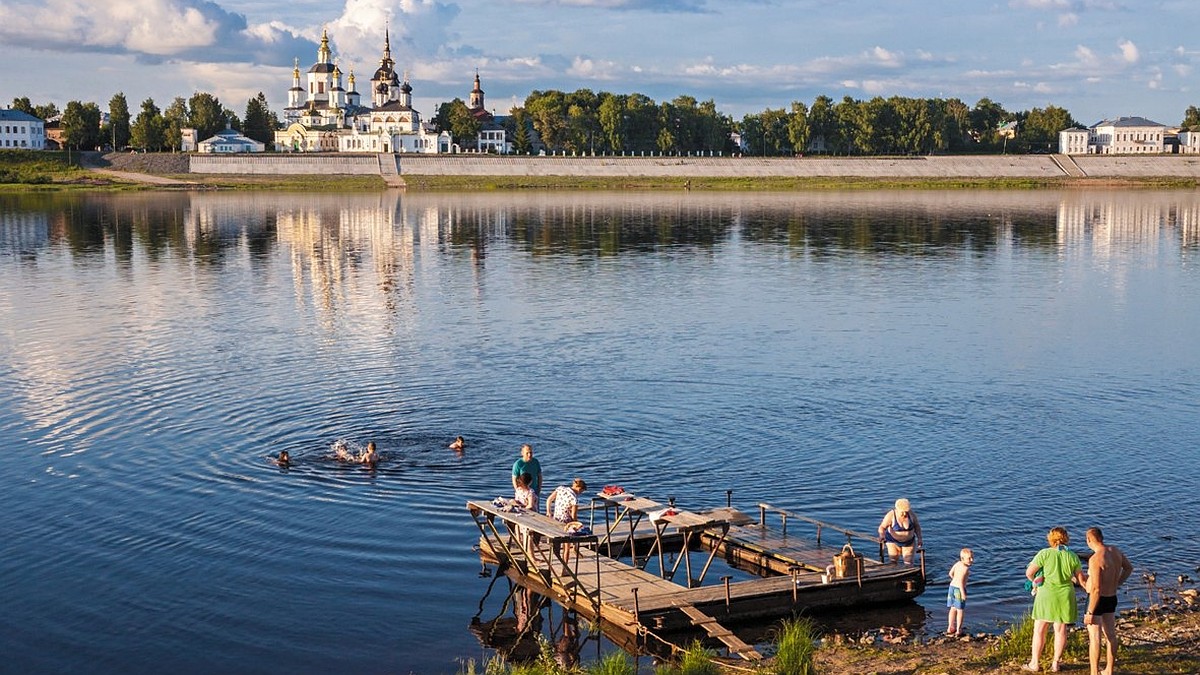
[[715, 630]]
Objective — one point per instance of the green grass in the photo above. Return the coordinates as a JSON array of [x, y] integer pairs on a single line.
[[1016, 642], [36, 167], [795, 648]]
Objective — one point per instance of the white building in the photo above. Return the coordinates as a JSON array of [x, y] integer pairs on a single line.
[[1122, 136], [324, 117], [1074, 141], [1189, 142], [21, 130], [229, 141]]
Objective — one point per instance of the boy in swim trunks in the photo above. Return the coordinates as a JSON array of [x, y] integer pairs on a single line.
[[1108, 568], [956, 597]]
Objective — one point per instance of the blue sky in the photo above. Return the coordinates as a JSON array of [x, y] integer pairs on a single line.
[[1097, 58]]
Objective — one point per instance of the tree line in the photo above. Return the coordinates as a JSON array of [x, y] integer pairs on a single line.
[[153, 128], [585, 122]]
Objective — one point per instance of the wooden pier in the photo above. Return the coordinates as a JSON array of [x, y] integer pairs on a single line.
[[623, 572]]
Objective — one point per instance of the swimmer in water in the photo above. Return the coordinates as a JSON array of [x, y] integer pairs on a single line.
[[342, 453], [283, 459], [458, 444], [369, 457]]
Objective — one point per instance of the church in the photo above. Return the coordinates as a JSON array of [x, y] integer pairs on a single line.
[[326, 117]]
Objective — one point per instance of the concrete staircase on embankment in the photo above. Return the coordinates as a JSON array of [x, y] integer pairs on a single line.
[[389, 169], [1068, 166]]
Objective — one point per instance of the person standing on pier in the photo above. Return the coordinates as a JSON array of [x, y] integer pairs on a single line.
[[527, 463]]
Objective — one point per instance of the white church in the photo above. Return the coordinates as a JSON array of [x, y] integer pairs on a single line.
[[325, 117]]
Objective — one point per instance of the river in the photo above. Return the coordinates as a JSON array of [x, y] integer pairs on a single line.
[[1008, 361]]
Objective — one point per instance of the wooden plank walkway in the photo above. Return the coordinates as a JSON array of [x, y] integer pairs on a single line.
[[715, 630]]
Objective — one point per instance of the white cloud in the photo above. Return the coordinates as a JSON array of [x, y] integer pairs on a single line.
[[1129, 51], [1067, 20]]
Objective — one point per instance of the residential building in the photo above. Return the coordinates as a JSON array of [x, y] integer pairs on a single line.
[[1073, 141], [21, 131], [1189, 142], [1120, 136]]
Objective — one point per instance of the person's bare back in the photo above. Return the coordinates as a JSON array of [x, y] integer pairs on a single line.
[[1107, 568]]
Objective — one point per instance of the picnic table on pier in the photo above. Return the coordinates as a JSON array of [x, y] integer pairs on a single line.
[[531, 539], [632, 509]]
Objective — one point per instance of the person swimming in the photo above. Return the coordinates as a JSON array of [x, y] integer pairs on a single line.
[[458, 444], [341, 452], [369, 456], [284, 459]]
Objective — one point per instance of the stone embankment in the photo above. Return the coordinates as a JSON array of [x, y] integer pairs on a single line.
[[394, 167]]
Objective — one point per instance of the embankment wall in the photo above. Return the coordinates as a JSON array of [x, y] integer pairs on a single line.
[[986, 166]]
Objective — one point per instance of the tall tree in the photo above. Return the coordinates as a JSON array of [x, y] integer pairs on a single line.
[[1043, 124], [518, 127], [118, 121], [797, 126], [147, 131], [257, 123], [548, 112], [205, 114], [23, 104], [822, 124], [175, 118], [82, 124], [46, 111], [1191, 119]]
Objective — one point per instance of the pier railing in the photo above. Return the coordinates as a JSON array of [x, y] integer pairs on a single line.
[[764, 509]]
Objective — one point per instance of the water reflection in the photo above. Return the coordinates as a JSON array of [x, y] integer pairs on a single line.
[[392, 226]]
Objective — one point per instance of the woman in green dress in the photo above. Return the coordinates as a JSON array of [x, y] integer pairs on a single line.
[[1055, 600]]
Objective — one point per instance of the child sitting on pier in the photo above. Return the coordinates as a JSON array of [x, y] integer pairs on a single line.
[[956, 597]]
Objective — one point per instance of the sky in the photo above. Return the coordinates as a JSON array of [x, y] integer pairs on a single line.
[[1097, 58]]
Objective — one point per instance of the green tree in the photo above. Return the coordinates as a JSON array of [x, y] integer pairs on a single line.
[[455, 117], [82, 124], [1043, 124], [258, 123], [611, 118], [822, 124], [147, 130], [797, 126], [518, 128], [956, 123], [23, 104], [986, 118], [205, 115], [118, 121], [547, 110], [1191, 119], [175, 118], [45, 112]]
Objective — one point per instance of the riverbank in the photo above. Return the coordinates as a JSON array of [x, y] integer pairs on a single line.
[[1163, 638]]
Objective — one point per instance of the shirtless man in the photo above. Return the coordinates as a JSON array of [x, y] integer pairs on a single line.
[[1108, 568]]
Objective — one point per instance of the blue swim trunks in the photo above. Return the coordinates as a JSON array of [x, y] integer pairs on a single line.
[[955, 599]]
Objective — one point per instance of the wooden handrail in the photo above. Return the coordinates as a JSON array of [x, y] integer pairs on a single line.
[[764, 508]]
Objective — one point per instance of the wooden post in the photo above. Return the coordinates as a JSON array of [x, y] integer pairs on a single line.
[[729, 499], [726, 579]]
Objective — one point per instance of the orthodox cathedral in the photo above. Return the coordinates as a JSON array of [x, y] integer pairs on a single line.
[[325, 117]]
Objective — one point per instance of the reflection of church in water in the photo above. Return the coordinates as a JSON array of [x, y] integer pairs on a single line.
[[326, 117]]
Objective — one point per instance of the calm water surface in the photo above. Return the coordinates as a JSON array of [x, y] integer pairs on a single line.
[[1007, 361]]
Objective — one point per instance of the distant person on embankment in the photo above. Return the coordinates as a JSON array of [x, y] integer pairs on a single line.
[[1108, 568], [527, 463]]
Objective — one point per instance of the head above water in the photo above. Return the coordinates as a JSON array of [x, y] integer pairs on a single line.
[[1058, 537]]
